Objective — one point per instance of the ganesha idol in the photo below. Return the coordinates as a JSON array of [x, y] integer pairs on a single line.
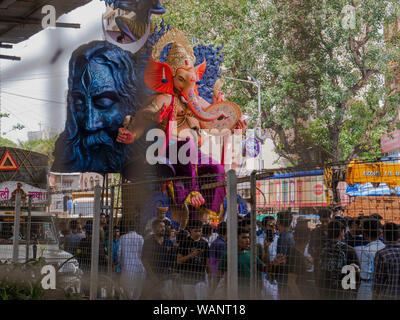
[[178, 104]]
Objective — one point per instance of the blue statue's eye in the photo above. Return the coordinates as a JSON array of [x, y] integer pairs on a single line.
[[79, 99], [104, 102]]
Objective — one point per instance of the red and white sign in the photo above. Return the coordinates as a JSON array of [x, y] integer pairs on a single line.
[[302, 192], [389, 144], [318, 189], [37, 195]]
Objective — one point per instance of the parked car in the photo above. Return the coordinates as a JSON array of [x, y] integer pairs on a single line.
[[43, 243]]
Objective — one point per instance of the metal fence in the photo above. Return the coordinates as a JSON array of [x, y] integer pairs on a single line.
[[278, 234]]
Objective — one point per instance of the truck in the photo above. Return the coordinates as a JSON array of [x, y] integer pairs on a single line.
[[43, 242]]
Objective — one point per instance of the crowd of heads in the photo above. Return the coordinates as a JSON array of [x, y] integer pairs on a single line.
[[353, 231]]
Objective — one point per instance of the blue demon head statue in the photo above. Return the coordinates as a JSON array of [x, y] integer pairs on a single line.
[[101, 92]]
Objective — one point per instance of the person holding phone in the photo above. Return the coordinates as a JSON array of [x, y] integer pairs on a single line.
[[193, 263]]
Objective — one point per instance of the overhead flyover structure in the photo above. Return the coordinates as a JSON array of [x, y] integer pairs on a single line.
[[21, 19]]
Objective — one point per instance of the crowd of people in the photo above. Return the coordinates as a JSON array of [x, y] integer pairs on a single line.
[[342, 258]]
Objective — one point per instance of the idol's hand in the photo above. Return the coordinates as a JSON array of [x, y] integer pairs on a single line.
[[197, 200], [125, 136], [241, 125], [219, 96]]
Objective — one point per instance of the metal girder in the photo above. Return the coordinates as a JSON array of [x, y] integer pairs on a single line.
[[37, 22], [10, 57], [4, 4], [5, 46]]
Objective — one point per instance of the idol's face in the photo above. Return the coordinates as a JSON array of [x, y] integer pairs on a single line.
[[95, 100], [185, 80]]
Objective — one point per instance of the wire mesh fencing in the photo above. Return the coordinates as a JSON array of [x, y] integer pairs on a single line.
[[274, 235], [325, 240]]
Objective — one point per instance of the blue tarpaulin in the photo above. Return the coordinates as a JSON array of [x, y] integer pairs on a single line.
[[368, 189]]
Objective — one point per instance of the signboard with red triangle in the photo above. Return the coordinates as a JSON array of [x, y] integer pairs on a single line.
[[7, 162]]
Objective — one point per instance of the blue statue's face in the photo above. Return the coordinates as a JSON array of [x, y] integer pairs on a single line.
[[102, 90], [95, 100]]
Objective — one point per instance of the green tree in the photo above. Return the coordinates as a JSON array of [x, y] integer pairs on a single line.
[[325, 94], [7, 143], [44, 146]]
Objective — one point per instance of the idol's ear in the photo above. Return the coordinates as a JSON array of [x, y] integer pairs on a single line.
[[158, 77], [200, 69]]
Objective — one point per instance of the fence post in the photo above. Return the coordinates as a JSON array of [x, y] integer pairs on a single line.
[[16, 226], [232, 250], [111, 239], [110, 212], [28, 231], [253, 225], [94, 270]]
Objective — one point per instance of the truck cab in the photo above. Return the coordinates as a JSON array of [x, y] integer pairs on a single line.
[[43, 242]]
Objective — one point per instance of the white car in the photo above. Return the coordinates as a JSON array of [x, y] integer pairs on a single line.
[[44, 243]]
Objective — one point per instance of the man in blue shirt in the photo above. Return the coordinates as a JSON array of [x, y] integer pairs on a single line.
[[367, 256], [218, 248], [286, 239], [115, 245], [72, 240]]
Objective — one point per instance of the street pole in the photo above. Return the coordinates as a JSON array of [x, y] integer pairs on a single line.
[[28, 231], [253, 225], [16, 227], [232, 225], [94, 272], [258, 123]]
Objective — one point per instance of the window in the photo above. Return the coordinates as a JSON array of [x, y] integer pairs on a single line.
[[285, 191], [67, 184], [41, 229], [278, 191], [59, 205], [292, 195], [299, 191]]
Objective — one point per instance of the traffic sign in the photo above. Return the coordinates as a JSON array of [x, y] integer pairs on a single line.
[[7, 162]]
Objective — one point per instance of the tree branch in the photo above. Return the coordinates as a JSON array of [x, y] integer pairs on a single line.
[[366, 138]]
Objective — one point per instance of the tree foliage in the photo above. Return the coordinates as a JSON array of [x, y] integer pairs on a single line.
[[326, 87], [7, 143], [44, 146]]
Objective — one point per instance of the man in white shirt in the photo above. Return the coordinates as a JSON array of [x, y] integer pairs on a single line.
[[133, 272], [367, 255]]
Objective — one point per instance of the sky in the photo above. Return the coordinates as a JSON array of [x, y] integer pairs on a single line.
[[32, 90]]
